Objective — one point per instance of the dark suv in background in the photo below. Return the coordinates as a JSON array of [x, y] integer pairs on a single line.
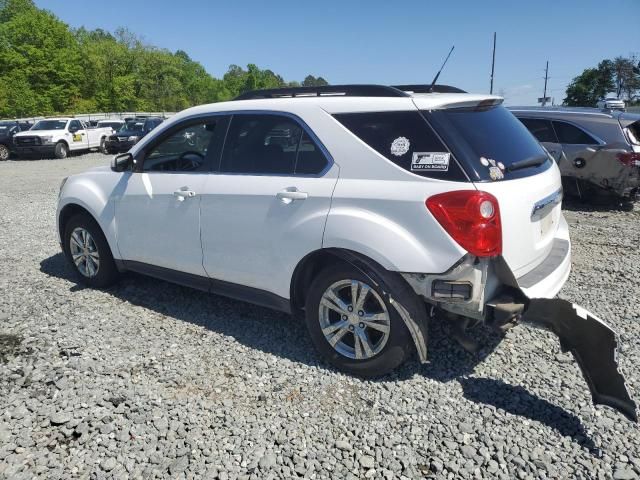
[[131, 132], [598, 151], [8, 129]]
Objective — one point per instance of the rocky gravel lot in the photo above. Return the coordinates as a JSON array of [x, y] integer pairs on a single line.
[[152, 380]]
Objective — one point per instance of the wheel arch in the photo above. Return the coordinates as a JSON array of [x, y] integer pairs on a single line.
[[414, 318]]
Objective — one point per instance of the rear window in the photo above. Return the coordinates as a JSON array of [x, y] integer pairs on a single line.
[[486, 138], [407, 140]]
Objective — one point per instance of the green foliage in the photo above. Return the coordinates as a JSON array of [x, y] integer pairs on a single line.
[[47, 68], [621, 75], [311, 81]]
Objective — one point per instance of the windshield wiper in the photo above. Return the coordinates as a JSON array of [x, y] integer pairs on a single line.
[[534, 161]]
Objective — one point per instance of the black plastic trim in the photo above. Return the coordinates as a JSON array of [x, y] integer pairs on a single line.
[[325, 91], [210, 285], [558, 253]]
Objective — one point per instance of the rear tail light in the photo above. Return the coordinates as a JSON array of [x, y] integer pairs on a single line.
[[472, 218], [630, 159]]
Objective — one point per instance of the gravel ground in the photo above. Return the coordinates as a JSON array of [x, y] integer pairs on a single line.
[[152, 380]]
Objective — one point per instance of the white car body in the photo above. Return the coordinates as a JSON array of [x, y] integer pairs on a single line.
[[245, 230], [80, 138], [611, 103]]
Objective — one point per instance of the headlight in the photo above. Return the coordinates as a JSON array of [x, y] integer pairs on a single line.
[[133, 139], [46, 139]]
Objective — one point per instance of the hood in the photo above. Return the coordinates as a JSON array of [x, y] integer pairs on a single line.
[[129, 133], [40, 133]]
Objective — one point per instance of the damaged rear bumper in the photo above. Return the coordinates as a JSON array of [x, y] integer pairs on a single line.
[[486, 289]]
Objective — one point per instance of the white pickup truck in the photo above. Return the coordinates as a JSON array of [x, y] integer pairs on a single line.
[[59, 137]]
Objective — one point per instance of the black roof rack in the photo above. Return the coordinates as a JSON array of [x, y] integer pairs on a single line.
[[429, 89], [325, 91]]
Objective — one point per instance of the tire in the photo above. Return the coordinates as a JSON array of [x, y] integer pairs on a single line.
[[97, 274], [102, 148], [61, 150], [4, 152], [385, 354]]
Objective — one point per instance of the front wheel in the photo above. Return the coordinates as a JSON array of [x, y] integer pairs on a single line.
[[86, 248], [353, 324], [61, 150], [4, 152]]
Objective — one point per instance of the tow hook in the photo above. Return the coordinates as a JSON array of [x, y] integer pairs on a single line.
[[592, 343]]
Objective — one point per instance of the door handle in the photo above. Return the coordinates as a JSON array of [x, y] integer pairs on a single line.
[[288, 196], [183, 193]]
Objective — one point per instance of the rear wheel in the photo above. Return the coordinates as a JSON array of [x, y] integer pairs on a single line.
[[102, 147], [86, 248], [4, 152], [61, 150], [353, 324]]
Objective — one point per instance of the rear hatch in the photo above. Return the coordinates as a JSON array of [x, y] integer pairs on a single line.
[[501, 157]]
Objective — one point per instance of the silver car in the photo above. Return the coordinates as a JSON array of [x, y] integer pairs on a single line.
[[598, 151]]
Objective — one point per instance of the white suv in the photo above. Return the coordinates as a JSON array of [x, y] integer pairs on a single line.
[[363, 208]]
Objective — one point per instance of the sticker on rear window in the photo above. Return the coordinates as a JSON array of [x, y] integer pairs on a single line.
[[400, 146], [438, 161]]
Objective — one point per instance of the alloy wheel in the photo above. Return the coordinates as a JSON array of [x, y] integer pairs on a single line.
[[354, 319], [84, 252]]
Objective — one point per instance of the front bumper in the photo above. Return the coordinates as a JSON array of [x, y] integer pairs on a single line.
[[117, 146], [40, 150]]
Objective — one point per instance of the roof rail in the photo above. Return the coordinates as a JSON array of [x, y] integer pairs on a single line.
[[429, 89], [325, 91]]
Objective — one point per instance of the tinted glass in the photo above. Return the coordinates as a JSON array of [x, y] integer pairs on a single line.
[[491, 132], [571, 134], [75, 124], [310, 159], [261, 144], [185, 150], [403, 137], [50, 125], [541, 129]]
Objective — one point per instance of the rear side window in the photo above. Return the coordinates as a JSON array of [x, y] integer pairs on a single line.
[[570, 134], [489, 139], [406, 139], [541, 129], [270, 145]]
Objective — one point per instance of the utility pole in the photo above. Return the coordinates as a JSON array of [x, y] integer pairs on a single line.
[[493, 62], [546, 77]]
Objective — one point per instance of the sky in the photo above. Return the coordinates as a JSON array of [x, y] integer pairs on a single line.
[[386, 42]]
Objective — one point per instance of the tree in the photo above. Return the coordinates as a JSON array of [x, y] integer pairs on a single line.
[[621, 75], [311, 81], [47, 68]]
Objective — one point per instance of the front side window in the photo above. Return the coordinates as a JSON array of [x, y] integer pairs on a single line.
[[572, 135], [188, 149], [75, 125], [541, 129], [269, 144]]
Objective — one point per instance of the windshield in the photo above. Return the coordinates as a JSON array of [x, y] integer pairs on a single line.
[[131, 127], [50, 125], [488, 137]]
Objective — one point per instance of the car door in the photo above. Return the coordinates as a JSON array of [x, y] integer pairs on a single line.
[[266, 207], [78, 138], [158, 212], [579, 149]]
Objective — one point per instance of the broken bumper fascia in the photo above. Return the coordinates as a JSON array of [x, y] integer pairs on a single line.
[[498, 300]]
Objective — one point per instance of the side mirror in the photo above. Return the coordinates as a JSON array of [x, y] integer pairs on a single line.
[[122, 162]]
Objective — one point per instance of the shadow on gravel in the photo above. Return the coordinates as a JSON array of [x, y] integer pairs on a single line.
[[518, 401], [574, 204], [282, 335]]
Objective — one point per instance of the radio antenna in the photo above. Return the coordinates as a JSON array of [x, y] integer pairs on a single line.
[[435, 79]]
